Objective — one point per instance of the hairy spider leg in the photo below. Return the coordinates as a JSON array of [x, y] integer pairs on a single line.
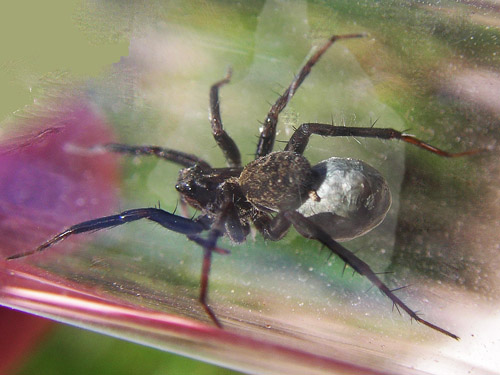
[[299, 139], [179, 224], [178, 157], [268, 133], [224, 141], [227, 214], [170, 221], [209, 246], [205, 272], [275, 228], [271, 228], [310, 230]]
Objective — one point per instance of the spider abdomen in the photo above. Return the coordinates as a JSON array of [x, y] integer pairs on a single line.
[[278, 181], [354, 198]]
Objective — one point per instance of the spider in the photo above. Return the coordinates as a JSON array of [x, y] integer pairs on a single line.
[[338, 199]]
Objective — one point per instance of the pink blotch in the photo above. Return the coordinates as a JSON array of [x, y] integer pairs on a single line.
[[49, 180]]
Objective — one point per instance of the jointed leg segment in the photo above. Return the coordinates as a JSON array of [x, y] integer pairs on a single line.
[[209, 245], [300, 137], [224, 141], [268, 134], [178, 157], [310, 230], [170, 221], [179, 224]]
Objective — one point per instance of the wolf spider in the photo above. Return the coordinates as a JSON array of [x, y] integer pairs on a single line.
[[275, 191]]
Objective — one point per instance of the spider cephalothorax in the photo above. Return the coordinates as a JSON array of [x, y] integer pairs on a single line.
[[279, 181], [337, 199]]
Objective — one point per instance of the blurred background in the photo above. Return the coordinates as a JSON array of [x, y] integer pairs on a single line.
[[140, 73]]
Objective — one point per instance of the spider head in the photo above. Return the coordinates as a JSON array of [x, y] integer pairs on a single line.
[[196, 187]]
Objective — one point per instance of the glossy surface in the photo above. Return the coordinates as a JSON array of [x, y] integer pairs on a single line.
[[354, 198]]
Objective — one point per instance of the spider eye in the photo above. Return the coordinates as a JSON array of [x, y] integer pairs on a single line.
[[185, 187]]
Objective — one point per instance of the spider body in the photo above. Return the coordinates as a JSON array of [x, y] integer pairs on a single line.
[[336, 199], [346, 197], [279, 181], [355, 198]]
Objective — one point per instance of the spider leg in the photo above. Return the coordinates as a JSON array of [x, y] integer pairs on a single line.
[[209, 245], [179, 224], [224, 141], [208, 248], [268, 134], [273, 229], [310, 230], [300, 137], [175, 223], [178, 157]]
